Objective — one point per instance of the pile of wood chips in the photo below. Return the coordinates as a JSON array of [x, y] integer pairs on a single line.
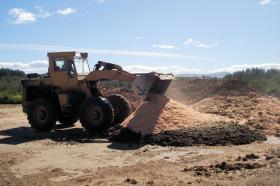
[[161, 113]]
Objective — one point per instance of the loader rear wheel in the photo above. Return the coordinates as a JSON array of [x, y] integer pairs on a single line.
[[121, 107], [68, 120], [96, 114], [41, 115]]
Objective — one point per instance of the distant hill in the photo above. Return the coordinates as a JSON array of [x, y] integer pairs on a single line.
[[211, 75]]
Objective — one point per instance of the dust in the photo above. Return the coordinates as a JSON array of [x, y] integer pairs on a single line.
[[190, 91]]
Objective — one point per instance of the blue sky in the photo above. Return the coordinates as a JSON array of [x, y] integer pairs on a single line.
[[179, 36]]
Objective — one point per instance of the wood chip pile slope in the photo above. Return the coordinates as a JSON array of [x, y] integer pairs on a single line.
[[162, 113]]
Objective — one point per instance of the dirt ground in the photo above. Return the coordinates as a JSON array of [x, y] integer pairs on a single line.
[[70, 156]]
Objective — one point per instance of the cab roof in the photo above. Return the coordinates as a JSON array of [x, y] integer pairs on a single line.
[[70, 54]]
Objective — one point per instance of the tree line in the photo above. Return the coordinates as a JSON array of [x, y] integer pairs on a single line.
[[267, 81]]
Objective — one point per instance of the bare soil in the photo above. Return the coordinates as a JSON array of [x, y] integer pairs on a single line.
[[70, 156]]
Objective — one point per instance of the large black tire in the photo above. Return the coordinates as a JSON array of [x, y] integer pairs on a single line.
[[121, 107], [41, 115], [96, 114], [68, 120]]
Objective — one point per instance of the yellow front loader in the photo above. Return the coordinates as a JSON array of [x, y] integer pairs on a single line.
[[65, 95]]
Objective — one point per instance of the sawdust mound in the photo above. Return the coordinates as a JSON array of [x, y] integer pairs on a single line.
[[163, 121], [190, 91], [162, 113], [233, 86], [257, 111], [133, 98]]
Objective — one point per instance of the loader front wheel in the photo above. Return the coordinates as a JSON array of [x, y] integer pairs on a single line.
[[121, 107], [96, 114], [41, 115]]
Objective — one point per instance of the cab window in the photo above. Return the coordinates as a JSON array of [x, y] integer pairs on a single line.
[[60, 65], [72, 69]]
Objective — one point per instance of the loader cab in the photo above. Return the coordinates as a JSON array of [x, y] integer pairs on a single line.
[[62, 69]]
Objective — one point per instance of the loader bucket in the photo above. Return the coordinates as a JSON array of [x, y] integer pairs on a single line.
[[152, 83]]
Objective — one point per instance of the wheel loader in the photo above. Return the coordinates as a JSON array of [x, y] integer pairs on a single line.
[[66, 95]]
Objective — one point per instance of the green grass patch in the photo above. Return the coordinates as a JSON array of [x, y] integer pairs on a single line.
[[10, 97], [10, 86]]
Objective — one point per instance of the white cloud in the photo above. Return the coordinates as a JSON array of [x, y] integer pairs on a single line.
[[241, 41], [164, 46], [235, 68], [100, 1], [189, 41], [42, 12], [20, 16], [46, 48], [198, 44], [147, 54], [66, 11], [43, 15], [220, 41], [161, 69], [38, 66], [177, 69], [41, 66], [202, 45], [265, 2], [138, 37]]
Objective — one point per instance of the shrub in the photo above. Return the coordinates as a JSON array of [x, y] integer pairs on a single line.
[[10, 86], [10, 97]]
